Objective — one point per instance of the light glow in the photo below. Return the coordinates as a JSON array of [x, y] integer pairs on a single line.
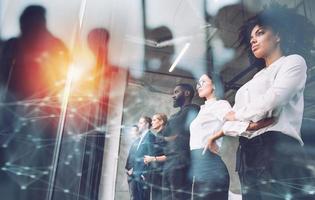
[[181, 54]]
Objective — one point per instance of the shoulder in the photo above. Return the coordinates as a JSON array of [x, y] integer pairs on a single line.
[[223, 104], [11, 42], [193, 107], [294, 60]]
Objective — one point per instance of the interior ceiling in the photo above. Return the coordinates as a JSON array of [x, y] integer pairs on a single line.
[[237, 71]]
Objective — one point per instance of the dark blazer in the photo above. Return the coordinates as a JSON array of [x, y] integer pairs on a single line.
[[136, 155], [131, 158]]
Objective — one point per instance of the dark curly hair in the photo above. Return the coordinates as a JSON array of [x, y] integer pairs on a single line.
[[296, 32]]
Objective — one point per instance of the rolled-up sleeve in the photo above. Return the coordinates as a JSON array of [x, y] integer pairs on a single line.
[[234, 128]]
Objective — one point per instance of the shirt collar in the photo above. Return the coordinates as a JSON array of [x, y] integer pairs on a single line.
[[276, 62], [210, 101], [143, 134]]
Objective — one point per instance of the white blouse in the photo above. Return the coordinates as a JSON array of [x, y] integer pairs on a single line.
[[277, 91], [208, 121]]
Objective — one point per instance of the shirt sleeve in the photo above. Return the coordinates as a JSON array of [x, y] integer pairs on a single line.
[[230, 128], [223, 108], [234, 128], [289, 80]]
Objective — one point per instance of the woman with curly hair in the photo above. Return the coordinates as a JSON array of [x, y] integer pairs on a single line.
[[270, 160]]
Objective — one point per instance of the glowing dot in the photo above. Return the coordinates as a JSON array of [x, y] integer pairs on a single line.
[[4, 169], [52, 115], [310, 167], [263, 182], [66, 191], [26, 168], [32, 176], [79, 174], [67, 163], [311, 192], [4, 146], [8, 164], [272, 180], [288, 196], [18, 173], [23, 187], [70, 156], [45, 172]]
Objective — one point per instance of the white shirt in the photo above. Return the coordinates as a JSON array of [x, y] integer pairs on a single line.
[[277, 91], [141, 138], [208, 121]]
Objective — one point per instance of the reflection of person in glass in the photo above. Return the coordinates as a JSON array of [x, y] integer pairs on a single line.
[[156, 160], [270, 160], [32, 64], [176, 184], [32, 70], [130, 162]]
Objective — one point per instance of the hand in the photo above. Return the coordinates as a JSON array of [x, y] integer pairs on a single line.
[[130, 171], [212, 145], [230, 116], [148, 159], [254, 126]]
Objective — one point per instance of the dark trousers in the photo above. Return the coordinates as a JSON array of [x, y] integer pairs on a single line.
[[156, 185], [132, 188], [273, 166], [142, 189], [209, 175], [176, 185], [202, 191]]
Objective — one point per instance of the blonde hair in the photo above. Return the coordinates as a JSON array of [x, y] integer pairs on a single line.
[[162, 117]]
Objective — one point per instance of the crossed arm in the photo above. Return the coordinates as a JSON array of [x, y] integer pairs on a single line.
[[253, 126]]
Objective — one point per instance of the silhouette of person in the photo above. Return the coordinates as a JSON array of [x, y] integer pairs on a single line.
[[32, 62], [98, 42], [31, 67]]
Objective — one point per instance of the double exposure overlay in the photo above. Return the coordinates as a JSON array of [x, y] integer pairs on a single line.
[[154, 100]]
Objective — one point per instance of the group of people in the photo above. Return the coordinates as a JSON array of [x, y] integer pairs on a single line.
[[179, 157]]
